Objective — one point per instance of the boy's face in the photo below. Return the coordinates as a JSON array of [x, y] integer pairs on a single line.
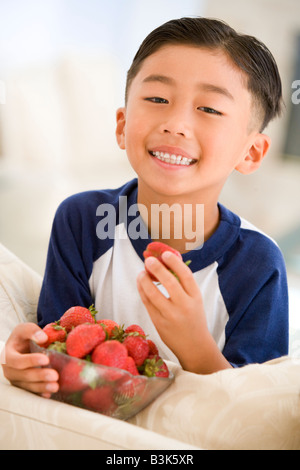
[[186, 124]]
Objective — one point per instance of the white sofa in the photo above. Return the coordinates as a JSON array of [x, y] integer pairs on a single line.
[[256, 407]]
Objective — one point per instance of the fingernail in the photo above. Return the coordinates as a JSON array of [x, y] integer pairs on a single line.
[[50, 377], [43, 360], [51, 388], [150, 261], [40, 337]]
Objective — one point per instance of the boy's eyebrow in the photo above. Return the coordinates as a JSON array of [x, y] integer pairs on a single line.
[[208, 87], [159, 78], [216, 89]]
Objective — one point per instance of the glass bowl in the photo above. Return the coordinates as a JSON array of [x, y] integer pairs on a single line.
[[106, 390]]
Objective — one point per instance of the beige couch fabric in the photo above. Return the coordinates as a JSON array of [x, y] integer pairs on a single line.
[[30, 422], [255, 407]]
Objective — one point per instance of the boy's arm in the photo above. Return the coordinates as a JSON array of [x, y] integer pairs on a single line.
[[262, 331], [180, 319], [256, 333]]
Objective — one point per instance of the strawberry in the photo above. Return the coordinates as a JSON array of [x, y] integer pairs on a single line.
[[57, 361], [72, 378], [55, 332], [128, 390], [153, 350], [76, 315], [100, 399], [156, 249], [163, 371], [111, 353], [135, 329], [113, 329], [84, 338], [137, 348], [130, 366], [154, 366]]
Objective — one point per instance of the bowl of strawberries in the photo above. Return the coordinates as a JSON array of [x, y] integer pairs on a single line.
[[103, 366]]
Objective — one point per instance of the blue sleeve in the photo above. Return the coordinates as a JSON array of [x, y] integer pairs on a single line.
[[258, 331], [66, 279]]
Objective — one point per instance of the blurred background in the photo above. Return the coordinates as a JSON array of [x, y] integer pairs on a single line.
[[63, 65]]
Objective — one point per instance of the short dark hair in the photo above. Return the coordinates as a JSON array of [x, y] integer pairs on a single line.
[[248, 53]]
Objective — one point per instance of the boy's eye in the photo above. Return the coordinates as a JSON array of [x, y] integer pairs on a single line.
[[156, 99], [210, 110]]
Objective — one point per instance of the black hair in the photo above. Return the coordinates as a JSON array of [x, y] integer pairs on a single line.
[[248, 53]]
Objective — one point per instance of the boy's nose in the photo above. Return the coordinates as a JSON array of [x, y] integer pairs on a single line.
[[178, 124]]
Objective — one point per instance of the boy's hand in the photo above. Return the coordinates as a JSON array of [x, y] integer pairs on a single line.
[[180, 319], [22, 368]]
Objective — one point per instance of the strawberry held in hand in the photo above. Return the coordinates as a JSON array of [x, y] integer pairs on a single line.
[[156, 249]]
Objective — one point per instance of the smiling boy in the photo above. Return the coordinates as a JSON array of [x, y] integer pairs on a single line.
[[198, 98]]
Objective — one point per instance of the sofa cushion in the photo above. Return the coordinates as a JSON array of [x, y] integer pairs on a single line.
[[254, 407], [19, 292]]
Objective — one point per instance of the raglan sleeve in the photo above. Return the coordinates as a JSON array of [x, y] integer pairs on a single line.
[[68, 265], [258, 328]]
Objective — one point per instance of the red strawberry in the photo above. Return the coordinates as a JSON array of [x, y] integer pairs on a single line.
[[127, 390], [100, 399], [75, 316], [111, 353], [163, 371], [112, 329], [57, 361], [154, 366], [135, 329], [156, 249], [153, 349], [137, 348], [130, 366], [84, 338], [55, 332], [71, 378]]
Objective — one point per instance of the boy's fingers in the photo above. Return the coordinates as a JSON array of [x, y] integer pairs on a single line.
[[152, 298], [183, 272], [19, 361], [17, 349], [35, 375], [43, 388]]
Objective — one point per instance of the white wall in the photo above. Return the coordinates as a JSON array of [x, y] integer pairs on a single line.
[[269, 198], [64, 64]]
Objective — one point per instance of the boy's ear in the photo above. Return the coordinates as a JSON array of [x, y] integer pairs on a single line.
[[255, 154], [120, 129]]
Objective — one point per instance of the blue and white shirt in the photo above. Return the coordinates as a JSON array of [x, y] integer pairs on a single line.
[[240, 272]]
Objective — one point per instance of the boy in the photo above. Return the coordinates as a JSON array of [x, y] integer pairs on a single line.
[[198, 98]]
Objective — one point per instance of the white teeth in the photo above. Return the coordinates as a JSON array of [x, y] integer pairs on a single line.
[[177, 160]]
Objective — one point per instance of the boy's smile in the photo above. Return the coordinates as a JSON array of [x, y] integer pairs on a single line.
[[186, 125]]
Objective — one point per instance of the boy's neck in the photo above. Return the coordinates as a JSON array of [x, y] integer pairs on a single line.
[[177, 223]]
